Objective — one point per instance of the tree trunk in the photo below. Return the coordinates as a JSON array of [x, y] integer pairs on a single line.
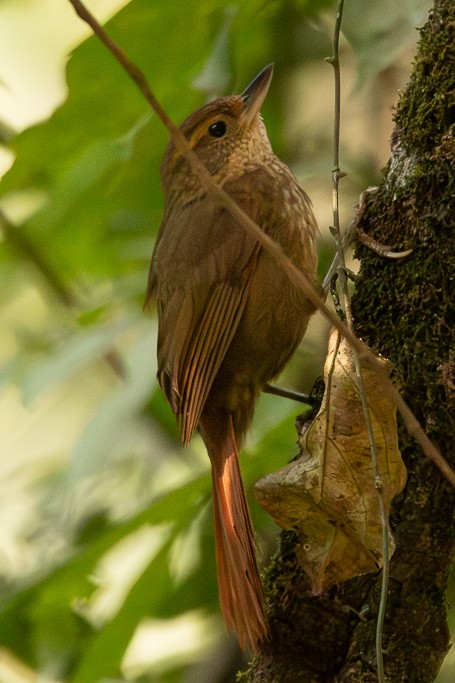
[[403, 310]]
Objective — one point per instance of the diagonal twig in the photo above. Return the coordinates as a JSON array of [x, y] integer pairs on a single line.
[[365, 355]]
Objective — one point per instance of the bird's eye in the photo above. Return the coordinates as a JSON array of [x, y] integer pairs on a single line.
[[217, 129]]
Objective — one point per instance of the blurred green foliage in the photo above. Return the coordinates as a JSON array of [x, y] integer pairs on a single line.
[[85, 184]]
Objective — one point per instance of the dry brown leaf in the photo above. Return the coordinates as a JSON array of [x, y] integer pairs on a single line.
[[328, 495]]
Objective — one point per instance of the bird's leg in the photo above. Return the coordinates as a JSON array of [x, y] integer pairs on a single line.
[[305, 419], [289, 393]]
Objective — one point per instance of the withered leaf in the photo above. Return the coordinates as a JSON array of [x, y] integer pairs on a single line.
[[328, 494]]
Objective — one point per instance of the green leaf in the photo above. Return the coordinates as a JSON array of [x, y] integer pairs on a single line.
[[81, 349], [44, 610]]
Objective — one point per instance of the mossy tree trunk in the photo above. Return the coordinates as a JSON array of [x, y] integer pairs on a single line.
[[404, 310]]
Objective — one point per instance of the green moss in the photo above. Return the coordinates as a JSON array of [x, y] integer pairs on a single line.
[[427, 107], [404, 310]]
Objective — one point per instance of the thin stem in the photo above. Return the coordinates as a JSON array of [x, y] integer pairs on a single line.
[[336, 232], [273, 248], [382, 506]]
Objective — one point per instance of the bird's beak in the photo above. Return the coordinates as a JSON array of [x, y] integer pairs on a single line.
[[254, 95]]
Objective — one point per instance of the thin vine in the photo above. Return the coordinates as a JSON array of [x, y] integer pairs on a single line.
[[340, 241]]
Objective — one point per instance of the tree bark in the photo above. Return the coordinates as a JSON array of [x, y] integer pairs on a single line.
[[403, 310]]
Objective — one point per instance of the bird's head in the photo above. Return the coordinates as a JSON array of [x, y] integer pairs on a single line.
[[227, 134]]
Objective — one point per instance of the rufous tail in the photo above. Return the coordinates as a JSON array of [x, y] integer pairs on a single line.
[[239, 585]]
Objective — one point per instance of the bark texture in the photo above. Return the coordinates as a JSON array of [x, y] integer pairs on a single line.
[[405, 311]]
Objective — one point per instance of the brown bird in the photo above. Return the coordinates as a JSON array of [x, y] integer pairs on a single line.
[[229, 316]]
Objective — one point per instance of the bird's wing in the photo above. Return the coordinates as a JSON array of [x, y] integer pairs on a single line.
[[200, 276]]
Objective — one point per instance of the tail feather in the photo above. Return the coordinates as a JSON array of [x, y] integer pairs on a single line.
[[239, 585]]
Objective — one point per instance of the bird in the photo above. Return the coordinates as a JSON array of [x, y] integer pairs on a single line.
[[229, 315]]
